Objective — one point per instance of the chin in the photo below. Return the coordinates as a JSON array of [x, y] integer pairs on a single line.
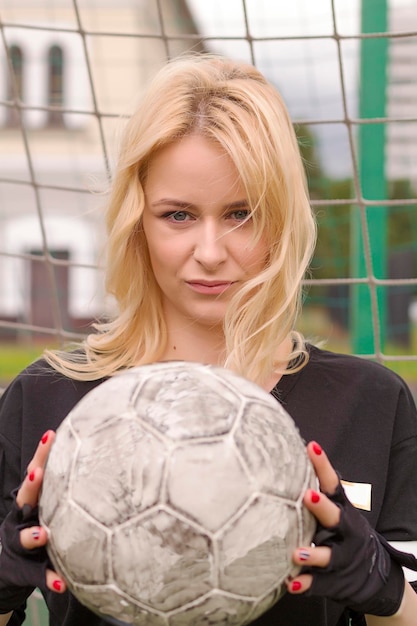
[[209, 321]]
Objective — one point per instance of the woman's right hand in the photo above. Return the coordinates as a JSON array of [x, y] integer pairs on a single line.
[[28, 494], [24, 562]]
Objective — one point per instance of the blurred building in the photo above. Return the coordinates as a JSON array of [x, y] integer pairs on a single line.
[[61, 98], [65, 80], [401, 151]]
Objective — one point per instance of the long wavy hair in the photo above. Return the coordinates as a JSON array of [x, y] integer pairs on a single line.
[[234, 105]]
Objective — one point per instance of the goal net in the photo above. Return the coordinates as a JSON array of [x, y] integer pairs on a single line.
[[72, 70]]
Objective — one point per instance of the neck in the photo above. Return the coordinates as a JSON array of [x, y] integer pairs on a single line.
[[206, 345], [195, 343]]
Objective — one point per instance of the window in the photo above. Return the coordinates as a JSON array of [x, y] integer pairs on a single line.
[[55, 85], [15, 84], [49, 74]]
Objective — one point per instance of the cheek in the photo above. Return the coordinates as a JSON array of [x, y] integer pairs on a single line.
[[161, 261], [179, 244], [255, 258], [155, 254], [154, 241], [166, 253]]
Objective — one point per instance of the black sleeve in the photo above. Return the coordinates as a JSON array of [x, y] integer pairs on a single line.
[[398, 516], [10, 453], [18, 616], [36, 401], [10, 468]]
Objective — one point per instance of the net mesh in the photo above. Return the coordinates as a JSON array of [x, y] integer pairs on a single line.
[[72, 70]]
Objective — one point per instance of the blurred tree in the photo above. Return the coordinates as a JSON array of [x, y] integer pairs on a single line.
[[402, 230], [332, 254], [331, 259]]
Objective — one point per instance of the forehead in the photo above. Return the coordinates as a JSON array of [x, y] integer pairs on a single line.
[[193, 164]]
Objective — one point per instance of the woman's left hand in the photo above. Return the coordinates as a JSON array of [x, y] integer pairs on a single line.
[[348, 562]]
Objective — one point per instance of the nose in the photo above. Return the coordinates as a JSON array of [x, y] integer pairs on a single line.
[[210, 249]]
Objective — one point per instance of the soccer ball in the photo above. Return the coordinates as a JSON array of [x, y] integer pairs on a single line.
[[173, 496]]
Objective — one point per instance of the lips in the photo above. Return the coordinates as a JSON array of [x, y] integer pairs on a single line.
[[209, 287]]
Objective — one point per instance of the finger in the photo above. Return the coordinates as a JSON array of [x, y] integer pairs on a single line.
[[54, 582], [312, 556], [326, 511], [301, 584], [42, 451], [30, 488], [33, 537], [326, 474]]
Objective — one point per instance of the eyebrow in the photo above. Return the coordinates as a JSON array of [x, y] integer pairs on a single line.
[[178, 203], [238, 204]]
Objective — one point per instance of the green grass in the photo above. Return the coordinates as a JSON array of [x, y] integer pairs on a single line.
[[315, 324], [405, 369], [14, 358], [37, 613]]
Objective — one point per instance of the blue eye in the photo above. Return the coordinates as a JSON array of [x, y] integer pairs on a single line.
[[177, 216], [240, 215]]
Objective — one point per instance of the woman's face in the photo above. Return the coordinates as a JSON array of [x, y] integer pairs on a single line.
[[197, 230]]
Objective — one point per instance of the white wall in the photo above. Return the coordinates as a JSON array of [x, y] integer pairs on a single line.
[[79, 237]]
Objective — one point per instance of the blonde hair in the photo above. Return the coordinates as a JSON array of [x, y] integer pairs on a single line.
[[233, 104]]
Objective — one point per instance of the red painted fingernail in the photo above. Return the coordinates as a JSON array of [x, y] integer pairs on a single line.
[[57, 585], [32, 476], [45, 438], [317, 449], [315, 497], [296, 585]]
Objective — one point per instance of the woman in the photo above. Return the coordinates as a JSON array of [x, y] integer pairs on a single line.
[[210, 233]]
